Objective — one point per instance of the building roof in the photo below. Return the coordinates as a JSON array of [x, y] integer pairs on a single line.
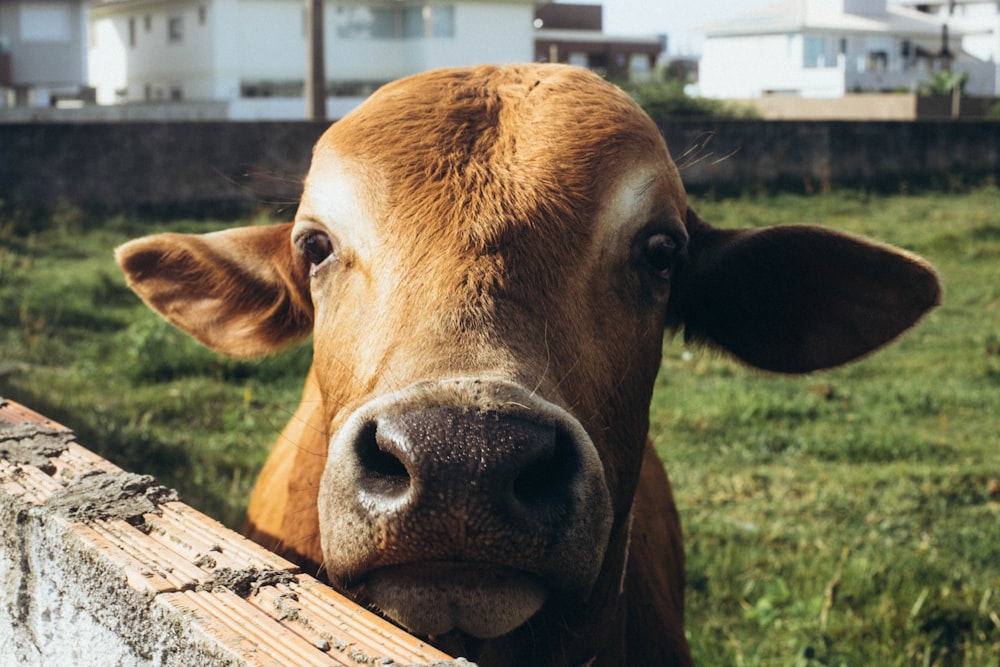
[[793, 16]]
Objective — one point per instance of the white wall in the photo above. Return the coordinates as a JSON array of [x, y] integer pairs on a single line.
[[285, 108], [224, 16], [153, 61], [483, 33], [270, 39], [982, 20], [107, 65], [487, 33], [753, 66], [253, 41], [747, 66], [271, 42]]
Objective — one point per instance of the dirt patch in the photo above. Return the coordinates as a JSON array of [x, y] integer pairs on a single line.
[[248, 581], [33, 444], [123, 495]]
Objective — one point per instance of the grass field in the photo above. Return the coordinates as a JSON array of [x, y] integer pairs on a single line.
[[844, 518]]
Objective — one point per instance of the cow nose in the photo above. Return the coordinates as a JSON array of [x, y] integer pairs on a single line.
[[467, 475], [464, 503]]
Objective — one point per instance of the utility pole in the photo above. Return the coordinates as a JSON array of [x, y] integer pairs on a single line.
[[315, 63]]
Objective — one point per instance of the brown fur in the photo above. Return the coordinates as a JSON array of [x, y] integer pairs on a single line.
[[494, 220]]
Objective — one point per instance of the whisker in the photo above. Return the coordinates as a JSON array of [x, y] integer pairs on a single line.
[[548, 358], [698, 152], [252, 181]]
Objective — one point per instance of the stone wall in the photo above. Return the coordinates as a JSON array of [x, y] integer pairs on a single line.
[[810, 156], [194, 167], [188, 167]]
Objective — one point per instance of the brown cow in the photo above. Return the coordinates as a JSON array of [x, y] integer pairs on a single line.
[[487, 260]]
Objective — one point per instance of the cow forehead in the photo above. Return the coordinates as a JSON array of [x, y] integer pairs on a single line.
[[478, 156]]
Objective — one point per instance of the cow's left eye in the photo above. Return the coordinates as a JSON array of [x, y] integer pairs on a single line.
[[659, 253], [317, 247]]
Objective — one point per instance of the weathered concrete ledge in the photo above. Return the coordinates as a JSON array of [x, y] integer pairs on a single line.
[[99, 566]]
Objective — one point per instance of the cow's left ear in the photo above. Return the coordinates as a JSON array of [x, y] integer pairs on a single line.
[[240, 291], [794, 299]]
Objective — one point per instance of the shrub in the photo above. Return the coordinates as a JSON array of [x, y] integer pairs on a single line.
[[667, 99]]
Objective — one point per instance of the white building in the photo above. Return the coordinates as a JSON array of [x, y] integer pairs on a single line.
[[251, 54], [43, 51], [978, 20], [828, 48]]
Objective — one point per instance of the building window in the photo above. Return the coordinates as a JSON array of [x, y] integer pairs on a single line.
[[878, 61], [441, 21], [358, 22], [813, 51], [131, 32], [202, 14], [413, 22], [271, 88], [147, 23], [176, 93], [175, 29], [409, 21], [385, 23], [428, 22], [639, 64], [46, 22]]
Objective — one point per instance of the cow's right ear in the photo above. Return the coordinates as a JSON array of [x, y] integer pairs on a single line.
[[241, 292], [798, 298]]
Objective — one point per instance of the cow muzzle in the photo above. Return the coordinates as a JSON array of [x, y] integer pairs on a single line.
[[464, 505]]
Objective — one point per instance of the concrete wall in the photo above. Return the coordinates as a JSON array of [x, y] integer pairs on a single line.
[[190, 167], [818, 155], [870, 106], [102, 567], [205, 166]]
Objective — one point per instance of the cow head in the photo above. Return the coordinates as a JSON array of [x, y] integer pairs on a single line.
[[487, 260]]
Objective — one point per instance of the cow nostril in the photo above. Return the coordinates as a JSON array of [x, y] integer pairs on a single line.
[[383, 474], [544, 480]]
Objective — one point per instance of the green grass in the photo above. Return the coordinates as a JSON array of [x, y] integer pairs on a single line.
[[844, 518], [78, 346], [841, 518]]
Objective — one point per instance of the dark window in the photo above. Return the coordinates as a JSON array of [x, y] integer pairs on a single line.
[[175, 29]]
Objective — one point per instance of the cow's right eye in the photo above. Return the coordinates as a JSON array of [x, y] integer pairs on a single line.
[[660, 253], [317, 247]]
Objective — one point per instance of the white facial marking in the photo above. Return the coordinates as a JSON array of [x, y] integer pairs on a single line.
[[629, 204], [336, 197]]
